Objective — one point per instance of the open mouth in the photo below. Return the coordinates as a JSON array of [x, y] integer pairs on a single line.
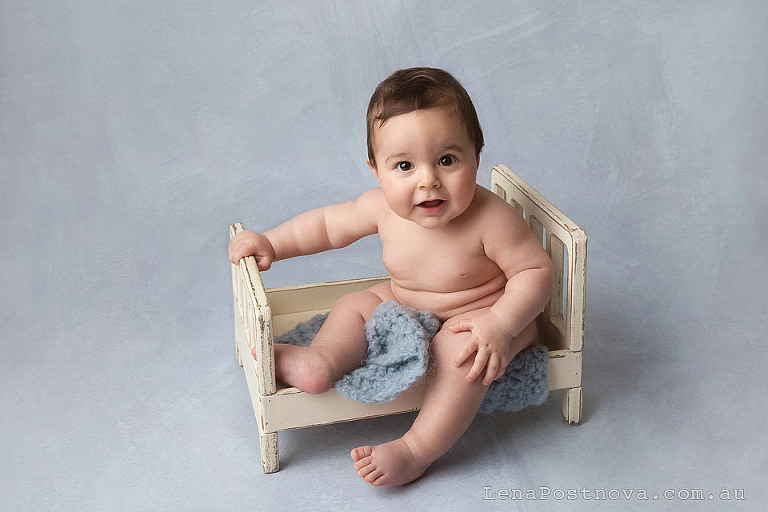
[[433, 207], [435, 203]]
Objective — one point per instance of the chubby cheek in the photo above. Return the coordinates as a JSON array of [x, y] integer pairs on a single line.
[[399, 199], [463, 191], [468, 196]]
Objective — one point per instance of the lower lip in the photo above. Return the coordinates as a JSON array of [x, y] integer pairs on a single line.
[[433, 210]]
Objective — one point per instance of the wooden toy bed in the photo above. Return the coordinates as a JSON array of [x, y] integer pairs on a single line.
[[260, 314]]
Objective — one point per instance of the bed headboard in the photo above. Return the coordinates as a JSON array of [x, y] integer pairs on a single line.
[[561, 324]]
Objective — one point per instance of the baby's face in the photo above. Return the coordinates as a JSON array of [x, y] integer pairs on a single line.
[[426, 165]]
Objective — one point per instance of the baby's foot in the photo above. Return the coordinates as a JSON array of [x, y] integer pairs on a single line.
[[392, 463], [303, 368]]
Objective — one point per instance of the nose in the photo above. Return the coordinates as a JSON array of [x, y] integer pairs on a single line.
[[428, 178]]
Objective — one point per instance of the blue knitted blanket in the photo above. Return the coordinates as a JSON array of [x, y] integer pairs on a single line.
[[398, 356]]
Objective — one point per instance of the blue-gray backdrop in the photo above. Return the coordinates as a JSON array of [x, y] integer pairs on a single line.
[[133, 132]]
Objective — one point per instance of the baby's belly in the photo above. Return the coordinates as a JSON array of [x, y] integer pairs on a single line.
[[449, 304]]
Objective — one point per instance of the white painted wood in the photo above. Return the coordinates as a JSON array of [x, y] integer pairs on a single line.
[[518, 192], [291, 408], [319, 296], [260, 314], [572, 405], [257, 318], [563, 236], [564, 369], [270, 462]]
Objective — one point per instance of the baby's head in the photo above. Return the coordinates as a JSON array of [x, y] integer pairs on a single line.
[[412, 89]]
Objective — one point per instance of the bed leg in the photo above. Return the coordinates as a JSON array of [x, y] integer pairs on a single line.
[[269, 457], [571, 400]]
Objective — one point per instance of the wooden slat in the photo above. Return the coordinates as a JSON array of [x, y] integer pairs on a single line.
[[537, 228], [556, 251]]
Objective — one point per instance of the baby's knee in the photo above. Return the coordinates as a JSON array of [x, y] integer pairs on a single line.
[[322, 375], [317, 383], [363, 302]]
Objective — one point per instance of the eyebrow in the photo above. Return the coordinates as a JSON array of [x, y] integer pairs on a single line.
[[395, 157], [453, 147]]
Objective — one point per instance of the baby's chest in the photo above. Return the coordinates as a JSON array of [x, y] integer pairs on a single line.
[[435, 258]]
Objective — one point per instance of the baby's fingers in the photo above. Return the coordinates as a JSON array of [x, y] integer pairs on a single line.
[[236, 249], [263, 262], [233, 255], [491, 370], [239, 252], [461, 326], [477, 368], [465, 352]]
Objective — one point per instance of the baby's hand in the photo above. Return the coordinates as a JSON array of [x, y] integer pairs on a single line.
[[491, 340], [248, 243]]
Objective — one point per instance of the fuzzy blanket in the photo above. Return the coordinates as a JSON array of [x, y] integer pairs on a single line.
[[398, 356]]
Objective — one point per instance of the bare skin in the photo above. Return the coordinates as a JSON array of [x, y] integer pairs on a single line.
[[450, 404], [451, 247]]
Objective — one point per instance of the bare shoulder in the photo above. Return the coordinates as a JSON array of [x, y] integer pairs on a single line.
[[507, 239], [371, 204], [371, 200], [494, 210], [371, 197]]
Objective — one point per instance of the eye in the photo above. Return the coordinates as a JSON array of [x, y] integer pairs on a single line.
[[404, 166], [447, 160]]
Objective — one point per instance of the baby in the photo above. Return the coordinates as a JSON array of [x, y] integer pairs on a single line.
[[451, 247]]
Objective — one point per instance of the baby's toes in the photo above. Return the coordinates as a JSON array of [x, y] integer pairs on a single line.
[[372, 476], [360, 453], [366, 470]]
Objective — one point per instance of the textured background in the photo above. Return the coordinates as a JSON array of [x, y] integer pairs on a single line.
[[133, 132]]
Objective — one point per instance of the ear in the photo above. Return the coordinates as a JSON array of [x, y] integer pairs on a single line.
[[373, 168]]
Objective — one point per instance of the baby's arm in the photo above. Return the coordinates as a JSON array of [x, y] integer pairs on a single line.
[[512, 246], [321, 229]]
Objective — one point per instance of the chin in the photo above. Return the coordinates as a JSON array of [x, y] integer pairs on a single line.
[[432, 223]]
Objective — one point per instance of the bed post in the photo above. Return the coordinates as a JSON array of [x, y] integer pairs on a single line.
[[253, 321]]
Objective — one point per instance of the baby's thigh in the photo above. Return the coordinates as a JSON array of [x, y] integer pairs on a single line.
[[342, 335], [446, 343], [450, 343], [383, 291], [360, 305]]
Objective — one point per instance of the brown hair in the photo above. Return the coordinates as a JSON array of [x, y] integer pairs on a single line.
[[412, 89]]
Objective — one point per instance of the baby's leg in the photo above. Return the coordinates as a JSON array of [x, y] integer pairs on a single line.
[[338, 348], [450, 404]]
